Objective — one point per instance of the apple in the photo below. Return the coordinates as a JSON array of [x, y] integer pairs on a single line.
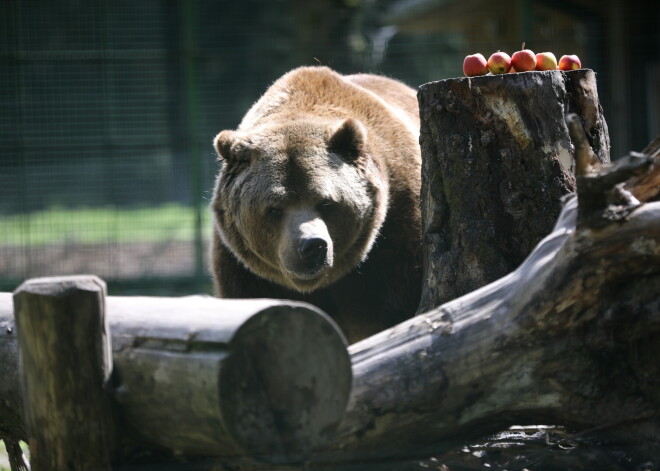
[[546, 61], [523, 61], [499, 62], [571, 62], [474, 64]]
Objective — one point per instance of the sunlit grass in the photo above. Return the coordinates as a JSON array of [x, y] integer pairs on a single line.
[[102, 225]]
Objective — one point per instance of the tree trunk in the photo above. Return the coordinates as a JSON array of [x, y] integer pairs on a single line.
[[497, 159]]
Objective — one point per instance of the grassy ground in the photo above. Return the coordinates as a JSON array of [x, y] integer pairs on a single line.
[[131, 245], [101, 225]]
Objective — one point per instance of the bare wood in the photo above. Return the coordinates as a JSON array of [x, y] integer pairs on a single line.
[[65, 369], [585, 159], [219, 377], [646, 187], [497, 159], [653, 149], [201, 376], [611, 194]]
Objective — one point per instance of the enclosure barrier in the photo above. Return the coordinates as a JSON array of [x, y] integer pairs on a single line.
[[196, 375]]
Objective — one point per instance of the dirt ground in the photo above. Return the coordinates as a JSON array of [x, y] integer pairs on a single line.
[[111, 260]]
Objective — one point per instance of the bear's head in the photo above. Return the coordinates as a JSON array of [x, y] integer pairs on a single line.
[[299, 203]]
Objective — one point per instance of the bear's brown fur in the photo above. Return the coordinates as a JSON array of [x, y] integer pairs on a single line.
[[317, 199]]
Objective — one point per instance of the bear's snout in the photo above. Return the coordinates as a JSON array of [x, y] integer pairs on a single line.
[[313, 251], [307, 250], [312, 257]]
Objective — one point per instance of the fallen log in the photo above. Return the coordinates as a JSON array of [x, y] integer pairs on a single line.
[[572, 338], [192, 376]]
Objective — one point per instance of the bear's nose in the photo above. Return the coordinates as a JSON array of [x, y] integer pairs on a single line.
[[313, 250]]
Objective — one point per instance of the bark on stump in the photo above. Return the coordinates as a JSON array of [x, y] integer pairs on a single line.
[[497, 159]]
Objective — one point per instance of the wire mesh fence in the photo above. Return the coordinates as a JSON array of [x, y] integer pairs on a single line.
[[108, 108], [101, 169], [108, 114]]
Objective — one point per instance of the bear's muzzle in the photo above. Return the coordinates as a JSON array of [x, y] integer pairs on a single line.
[[313, 251], [306, 251]]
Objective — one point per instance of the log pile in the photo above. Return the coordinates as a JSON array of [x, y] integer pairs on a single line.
[[110, 380]]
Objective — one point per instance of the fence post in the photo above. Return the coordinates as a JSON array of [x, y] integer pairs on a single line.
[[66, 363], [190, 26]]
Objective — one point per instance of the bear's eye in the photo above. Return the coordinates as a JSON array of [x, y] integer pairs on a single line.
[[326, 206], [274, 212]]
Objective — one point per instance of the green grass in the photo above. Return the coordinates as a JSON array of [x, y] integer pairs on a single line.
[[102, 225]]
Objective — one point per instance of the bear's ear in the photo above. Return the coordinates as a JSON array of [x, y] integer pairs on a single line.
[[232, 146], [348, 140], [223, 143]]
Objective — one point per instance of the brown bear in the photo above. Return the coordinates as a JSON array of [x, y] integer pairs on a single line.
[[317, 199]]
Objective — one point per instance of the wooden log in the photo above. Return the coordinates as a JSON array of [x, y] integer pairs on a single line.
[[497, 159], [216, 377], [201, 376], [65, 371], [572, 337]]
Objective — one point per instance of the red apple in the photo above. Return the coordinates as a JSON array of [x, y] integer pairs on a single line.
[[546, 61], [499, 62], [474, 64], [570, 62], [523, 61]]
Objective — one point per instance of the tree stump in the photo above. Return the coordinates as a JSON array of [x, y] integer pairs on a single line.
[[497, 159]]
